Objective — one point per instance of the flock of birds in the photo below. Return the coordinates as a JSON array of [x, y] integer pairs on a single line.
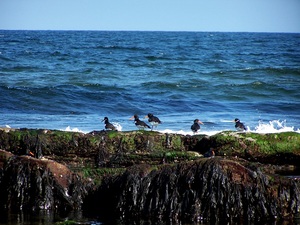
[[155, 121]]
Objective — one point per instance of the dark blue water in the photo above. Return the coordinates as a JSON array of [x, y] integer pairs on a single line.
[[72, 79]]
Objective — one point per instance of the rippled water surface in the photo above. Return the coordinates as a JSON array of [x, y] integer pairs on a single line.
[[72, 79]]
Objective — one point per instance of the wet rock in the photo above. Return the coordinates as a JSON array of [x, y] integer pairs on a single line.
[[279, 148], [102, 148], [167, 176], [214, 190], [27, 183]]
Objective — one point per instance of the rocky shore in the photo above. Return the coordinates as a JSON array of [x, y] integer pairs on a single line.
[[143, 175]]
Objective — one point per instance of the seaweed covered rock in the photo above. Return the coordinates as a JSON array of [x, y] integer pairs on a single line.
[[168, 176], [100, 148], [277, 148], [35, 184], [215, 190], [114, 149]]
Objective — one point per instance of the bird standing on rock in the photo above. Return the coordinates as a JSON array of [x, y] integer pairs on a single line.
[[196, 126], [108, 125], [153, 120], [239, 126], [210, 153], [140, 124]]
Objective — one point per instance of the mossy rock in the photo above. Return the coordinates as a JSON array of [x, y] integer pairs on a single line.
[[276, 147], [54, 143]]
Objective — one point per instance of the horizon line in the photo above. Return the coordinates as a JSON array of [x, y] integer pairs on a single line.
[[129, 30]]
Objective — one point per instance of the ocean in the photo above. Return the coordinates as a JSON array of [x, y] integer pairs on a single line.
[[71, 80]]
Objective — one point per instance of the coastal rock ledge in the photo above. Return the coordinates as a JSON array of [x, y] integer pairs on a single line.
[[229, 177], [215, 190]]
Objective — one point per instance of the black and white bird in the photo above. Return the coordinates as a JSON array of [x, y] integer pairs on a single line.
[[140, 124], [210, 153], [239, 126], [153, 120], [108, 125], [196, 126]]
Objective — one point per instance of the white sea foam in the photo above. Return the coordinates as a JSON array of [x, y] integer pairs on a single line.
[[226, 121], [182, 132], [68, 128], [274, 126], [75, 129], [117, 126]]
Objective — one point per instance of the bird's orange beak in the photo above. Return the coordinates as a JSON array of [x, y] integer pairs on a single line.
[[200, 122], [146, 116], [131, 118]]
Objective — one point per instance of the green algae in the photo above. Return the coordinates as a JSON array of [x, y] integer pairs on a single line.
[[127, 151], [134, 147], [112, 134], [97, 174], [288, 142], [67, 222], [266, 144]]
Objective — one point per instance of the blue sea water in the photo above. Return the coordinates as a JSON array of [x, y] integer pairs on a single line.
[[71, 80]]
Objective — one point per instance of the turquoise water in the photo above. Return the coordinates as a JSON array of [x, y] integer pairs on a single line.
[[71, 80]]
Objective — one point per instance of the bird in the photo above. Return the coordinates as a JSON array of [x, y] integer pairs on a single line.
[[108, 125], [196, 126], [140, 124], [239, 126], [210, 153], [153, 120]]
